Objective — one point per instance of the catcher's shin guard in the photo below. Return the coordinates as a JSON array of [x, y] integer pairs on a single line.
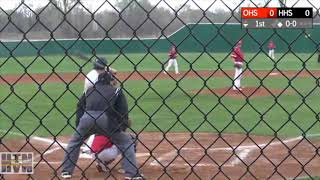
[[134, 139]]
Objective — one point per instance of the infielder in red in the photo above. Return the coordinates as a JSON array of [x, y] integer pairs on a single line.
[[238, 58], [172, 60], [271, 47]]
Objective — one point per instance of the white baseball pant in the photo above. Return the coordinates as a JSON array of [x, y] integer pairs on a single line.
[[174, 63], [237, 78], [271, 53]]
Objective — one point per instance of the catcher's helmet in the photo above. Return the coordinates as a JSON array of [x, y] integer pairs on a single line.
[[100, 63]]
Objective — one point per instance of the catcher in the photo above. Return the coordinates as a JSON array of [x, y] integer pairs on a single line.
[[105, 152]]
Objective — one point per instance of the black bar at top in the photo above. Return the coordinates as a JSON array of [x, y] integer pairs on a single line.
[[295, 13]]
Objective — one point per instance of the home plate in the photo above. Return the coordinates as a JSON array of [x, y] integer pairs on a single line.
[[89, 156], [85, 156], [273, 74], [142, 154]]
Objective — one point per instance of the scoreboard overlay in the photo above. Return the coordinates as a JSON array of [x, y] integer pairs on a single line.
[[280, 18]]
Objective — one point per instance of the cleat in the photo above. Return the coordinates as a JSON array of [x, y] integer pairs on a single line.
[[66, 175]]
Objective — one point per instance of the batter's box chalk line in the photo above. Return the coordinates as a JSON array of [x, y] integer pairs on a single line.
[[56, 146], [242, 152], [82, 155]]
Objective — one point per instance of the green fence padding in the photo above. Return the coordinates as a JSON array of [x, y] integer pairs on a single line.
[[190, 38]]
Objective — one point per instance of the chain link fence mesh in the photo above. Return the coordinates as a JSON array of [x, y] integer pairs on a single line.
[[176, 117]]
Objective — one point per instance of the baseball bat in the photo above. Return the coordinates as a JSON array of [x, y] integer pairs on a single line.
[[81, 56], [85, 58]]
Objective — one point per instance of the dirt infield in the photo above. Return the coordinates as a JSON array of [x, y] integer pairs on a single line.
[[148, 75], [246, 92], [226, 157]]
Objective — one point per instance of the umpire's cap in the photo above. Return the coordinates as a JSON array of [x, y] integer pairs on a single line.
[[100, 63], [105, 77]]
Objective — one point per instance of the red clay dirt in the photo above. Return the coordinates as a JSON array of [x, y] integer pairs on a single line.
[[226, 157], [246, 92], [148, 75]]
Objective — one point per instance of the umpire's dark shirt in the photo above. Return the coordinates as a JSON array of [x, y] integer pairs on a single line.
[[111, 100]]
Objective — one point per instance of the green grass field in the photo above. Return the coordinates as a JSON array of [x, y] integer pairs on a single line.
[[291, 116], [152, 62]]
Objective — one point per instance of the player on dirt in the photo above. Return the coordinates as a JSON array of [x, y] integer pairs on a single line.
[[106, 113], [238, 58], [172, 60], [99, 146], [99, 66]]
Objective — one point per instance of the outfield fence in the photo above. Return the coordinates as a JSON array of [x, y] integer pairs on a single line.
[[170, 153], [223, 36]]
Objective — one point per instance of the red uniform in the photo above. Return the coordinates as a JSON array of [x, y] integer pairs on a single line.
[[271, 45], [237, 55], [99, 143], [173, 54]]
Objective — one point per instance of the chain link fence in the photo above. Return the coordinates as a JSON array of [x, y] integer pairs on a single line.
[[197, 122]]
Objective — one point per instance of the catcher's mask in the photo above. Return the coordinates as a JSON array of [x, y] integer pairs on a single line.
[[105, 78], [100, 63]]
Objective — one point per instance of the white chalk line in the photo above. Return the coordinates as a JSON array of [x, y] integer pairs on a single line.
[[240, 157], [49, 162], [47, 152], [184, 165], [82, 155], [143, 154], [162, 158], [241, 147], [274, 74], [64, 145], [244, 151], [37, 139], [170, 154]]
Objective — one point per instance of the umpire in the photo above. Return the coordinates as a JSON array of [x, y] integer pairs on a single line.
[[106, 113]]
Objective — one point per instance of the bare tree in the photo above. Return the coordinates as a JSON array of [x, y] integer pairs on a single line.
[[65, 5]]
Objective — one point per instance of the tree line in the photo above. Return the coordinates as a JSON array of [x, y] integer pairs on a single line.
[[64, 19]]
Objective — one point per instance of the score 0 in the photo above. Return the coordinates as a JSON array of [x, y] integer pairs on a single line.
[[258, 13], [272, 13]]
